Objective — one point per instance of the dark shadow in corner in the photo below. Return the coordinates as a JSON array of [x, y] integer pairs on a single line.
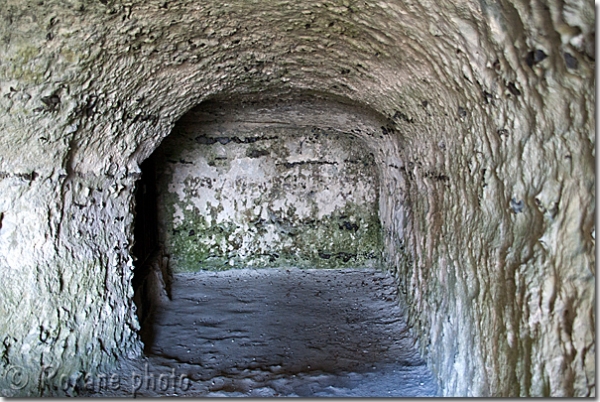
[[146, 250]]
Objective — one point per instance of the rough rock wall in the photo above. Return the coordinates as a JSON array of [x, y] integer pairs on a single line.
[[487, 180], [248, 189]]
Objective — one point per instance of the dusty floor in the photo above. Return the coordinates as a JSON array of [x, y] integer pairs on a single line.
[[278, 332]]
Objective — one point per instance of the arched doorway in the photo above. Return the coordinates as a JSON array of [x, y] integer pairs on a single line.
[[261, 260]]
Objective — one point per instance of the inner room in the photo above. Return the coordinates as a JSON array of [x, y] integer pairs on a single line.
[[264, 188], [260, 254]]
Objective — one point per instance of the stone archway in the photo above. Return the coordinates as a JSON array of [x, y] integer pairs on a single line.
[[258, 184], [241, 195]]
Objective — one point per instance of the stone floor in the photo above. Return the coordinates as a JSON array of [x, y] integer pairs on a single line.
[[278, 332]]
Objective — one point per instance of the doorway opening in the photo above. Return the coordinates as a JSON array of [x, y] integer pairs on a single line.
[[261, 253]]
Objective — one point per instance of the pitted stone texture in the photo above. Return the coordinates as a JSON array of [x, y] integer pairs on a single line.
[[487, 184]]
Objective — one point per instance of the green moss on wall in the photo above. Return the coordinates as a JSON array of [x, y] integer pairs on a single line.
[[267, 196], [350, 237]]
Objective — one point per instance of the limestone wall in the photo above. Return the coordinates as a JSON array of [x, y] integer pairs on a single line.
[[242, 189], [486, 166]]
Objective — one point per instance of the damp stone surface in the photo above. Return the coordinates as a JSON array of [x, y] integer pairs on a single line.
[[276, 332]]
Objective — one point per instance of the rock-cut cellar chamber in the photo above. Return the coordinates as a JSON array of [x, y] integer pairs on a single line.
[[290, 188], [466, 129]]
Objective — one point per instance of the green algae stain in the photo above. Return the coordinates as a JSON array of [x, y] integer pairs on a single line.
[[350, 237]]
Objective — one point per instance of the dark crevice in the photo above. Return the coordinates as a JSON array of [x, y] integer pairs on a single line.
[[145, 248]]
